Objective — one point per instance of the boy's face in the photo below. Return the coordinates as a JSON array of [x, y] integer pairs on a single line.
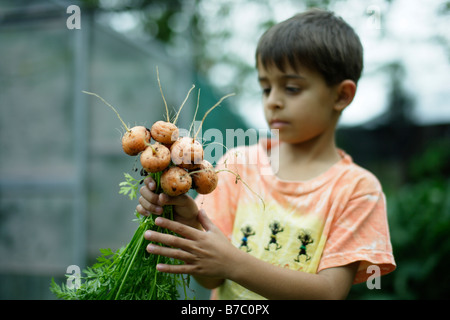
[[298, 103]]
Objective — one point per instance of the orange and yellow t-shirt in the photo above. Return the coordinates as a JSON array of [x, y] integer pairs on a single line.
[[332, 220]]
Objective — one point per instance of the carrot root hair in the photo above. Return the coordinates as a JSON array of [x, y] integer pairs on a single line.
[[109, 105]]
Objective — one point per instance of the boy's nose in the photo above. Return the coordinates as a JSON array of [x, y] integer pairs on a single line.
[[274, 101]]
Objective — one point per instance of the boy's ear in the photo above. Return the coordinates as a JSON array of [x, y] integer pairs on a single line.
[[346, 91]]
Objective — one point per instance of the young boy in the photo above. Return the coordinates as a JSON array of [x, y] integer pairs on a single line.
[[322, 221]]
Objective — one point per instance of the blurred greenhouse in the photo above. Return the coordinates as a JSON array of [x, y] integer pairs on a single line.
[[59, 181], [59, 175]]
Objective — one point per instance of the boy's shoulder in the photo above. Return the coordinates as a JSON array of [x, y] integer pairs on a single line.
[[358, 176]]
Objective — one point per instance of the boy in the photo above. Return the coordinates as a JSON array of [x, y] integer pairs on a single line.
[[323, 221]]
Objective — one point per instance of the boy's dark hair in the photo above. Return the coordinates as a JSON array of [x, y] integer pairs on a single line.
[[317, 40]]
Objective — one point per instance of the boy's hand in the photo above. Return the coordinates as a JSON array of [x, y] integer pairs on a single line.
[[207, 254], [185, 208]]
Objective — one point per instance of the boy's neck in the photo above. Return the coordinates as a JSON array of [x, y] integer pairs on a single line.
[[307, 160]]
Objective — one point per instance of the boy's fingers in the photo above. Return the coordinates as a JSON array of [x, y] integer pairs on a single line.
[[175, 269], [177, 227], [149, 207], [150, 196], [140, 209], [180, 200], [169, 240], [150, 183], [161, 198], [170, 252]]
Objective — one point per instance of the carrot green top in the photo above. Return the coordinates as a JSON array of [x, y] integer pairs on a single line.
[[332, 220]]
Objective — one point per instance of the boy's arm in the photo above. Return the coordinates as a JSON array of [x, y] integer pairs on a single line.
[[285, 284], [209, 283], [210, 258]]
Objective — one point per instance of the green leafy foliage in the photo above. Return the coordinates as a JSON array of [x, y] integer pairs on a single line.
[[130, 272], [130, 186], [421, 222]]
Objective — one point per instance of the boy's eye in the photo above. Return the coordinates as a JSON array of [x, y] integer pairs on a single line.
[[266, 91], [293, 90]]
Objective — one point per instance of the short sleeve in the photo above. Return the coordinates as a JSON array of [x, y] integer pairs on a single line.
[[361, 233]]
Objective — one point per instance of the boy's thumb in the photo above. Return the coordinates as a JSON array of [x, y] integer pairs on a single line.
[[204, 220]]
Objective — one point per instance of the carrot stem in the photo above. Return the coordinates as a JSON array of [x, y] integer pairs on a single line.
[[130, 264]]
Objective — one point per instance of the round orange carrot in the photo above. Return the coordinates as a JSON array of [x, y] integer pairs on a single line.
[[175, 181], [155, 158], [135, 140]]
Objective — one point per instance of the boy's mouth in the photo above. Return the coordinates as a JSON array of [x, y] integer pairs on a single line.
[[278, 124]]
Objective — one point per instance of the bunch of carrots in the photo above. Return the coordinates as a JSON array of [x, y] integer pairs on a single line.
[[177, 165]]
